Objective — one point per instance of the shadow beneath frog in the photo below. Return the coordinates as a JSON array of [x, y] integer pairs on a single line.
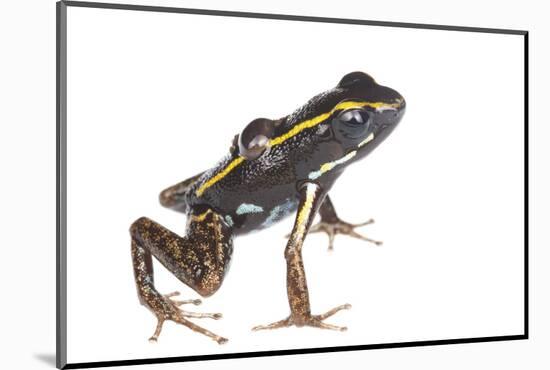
[[47, 358]]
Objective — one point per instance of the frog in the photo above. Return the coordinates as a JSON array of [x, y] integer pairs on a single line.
[[274, 168]]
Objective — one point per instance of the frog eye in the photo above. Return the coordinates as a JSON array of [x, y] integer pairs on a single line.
[[255, 138], [354, 123], [355, 117]]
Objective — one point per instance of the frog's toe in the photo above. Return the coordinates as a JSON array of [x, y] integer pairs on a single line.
[[165, 308], [222, 340], [274, 325], [368, 222], [323, 325], [331, 312], [308, 320], [196, 302], [198, 315], [356, 235], [154, 338], [341, 227], [170, 295]]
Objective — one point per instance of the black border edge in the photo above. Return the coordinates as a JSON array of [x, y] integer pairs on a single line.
[[164, 360], [287, 17], [61, 170], [61, 185], [526, 184]]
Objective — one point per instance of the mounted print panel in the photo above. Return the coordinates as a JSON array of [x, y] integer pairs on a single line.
[[421, 130]]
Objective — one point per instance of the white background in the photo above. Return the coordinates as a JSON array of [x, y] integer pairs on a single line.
[[154, 98], [30, 201]]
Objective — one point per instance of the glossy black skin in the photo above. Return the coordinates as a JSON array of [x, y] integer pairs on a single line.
[[275, 177], [266, 174]]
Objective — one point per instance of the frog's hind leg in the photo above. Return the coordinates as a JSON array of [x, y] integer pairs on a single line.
[[200, 259], [331, 224], [174, 196]]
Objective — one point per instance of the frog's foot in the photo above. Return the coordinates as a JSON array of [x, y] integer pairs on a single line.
[[341, 227], [165, 308], [310, 320]]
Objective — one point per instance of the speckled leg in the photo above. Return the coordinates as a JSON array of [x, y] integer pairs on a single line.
[[298, 295], [200, 260], [332, 225]]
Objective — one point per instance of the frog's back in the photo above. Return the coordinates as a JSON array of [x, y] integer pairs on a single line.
[[253, 193], [252, 196]]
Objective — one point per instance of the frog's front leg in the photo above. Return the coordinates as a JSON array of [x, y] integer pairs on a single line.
[[331, 224], [200, 259], [298, 295]]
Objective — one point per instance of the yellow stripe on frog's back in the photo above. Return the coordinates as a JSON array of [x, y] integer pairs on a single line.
[[295, 130], [220, 175]]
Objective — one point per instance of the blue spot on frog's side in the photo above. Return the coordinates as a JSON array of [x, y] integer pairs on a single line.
[[281, 211], [248, 208]]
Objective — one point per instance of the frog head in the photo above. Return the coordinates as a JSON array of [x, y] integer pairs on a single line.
[[332, 130], [365, 113]]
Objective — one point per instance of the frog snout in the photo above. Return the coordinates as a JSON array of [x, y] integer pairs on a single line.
[[400, 110], [391, 115]]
